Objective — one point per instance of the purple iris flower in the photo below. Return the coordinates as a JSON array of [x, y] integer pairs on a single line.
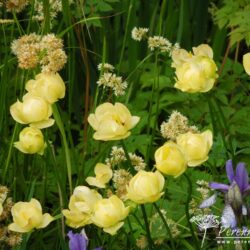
[[79, 241], [240, 178], [234, 193]]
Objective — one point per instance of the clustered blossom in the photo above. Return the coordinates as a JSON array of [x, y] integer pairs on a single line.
[[7, 237], [186, 146], [177, 124], [159, 42], [121, 179], [16, 5], [118, 156], [55, 6], [114, 82], [139, 34], [137, 162], [6, 21], [33, 50], [106, 67]]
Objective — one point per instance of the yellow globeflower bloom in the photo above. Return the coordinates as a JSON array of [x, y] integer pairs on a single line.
[[81, 206], [194, 72], [112, 122], [109, 213], [145, 187], [27, 216], [49, 86], [34, 110], [103, 175], [31, 141], [170, 159], [246, 63], [196, 146]]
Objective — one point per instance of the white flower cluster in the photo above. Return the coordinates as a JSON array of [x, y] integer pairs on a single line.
[[139, 34], [159, 42], [111, 80]]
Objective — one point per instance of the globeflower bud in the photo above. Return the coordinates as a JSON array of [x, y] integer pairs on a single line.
[[103, 175], [27, 216], [246, 63], [197, 72], [109, 213], [30, 141], [81, 206], [195, 146], [34, 110], [112, 122], [170, 159], [145, 187], [49, 86]]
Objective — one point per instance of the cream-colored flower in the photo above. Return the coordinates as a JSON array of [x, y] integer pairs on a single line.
[[31, 141], [196, 75], [112, 122], [180, 56], [195, 72], [203, 50], [145, 187], [246, 63], [109, 214], [27, 216], [103, 175], [34, 110], [49, 86], [170, 159], [196, 146], [81, 206]]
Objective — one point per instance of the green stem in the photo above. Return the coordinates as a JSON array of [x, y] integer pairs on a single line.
[[181, 18], [155, 88], [127, 154], [125, 35], [225, 124], [187, 211], [65, 144], [166, 225], [9, 153], [150, 241]]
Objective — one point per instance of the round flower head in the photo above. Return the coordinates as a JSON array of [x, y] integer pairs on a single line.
[[145, 187], [27, 216], [34, 110], [109, 213], [31, 141], [103, 175], [196, 146], [49, 86], [81, 207], [170, 159], [246, 63], [195, 72], [112, 122]]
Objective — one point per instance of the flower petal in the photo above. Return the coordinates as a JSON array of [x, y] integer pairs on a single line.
[[241, 177], [208, 202], [220, 186], [77, 241], [228, 218], [229, 170]]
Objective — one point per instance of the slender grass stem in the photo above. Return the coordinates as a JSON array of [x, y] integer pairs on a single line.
[[9, 153], [126, 154], [196, 245], [65, 143], [166, 226], [125, 35], [144, 214], [181, 22]]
